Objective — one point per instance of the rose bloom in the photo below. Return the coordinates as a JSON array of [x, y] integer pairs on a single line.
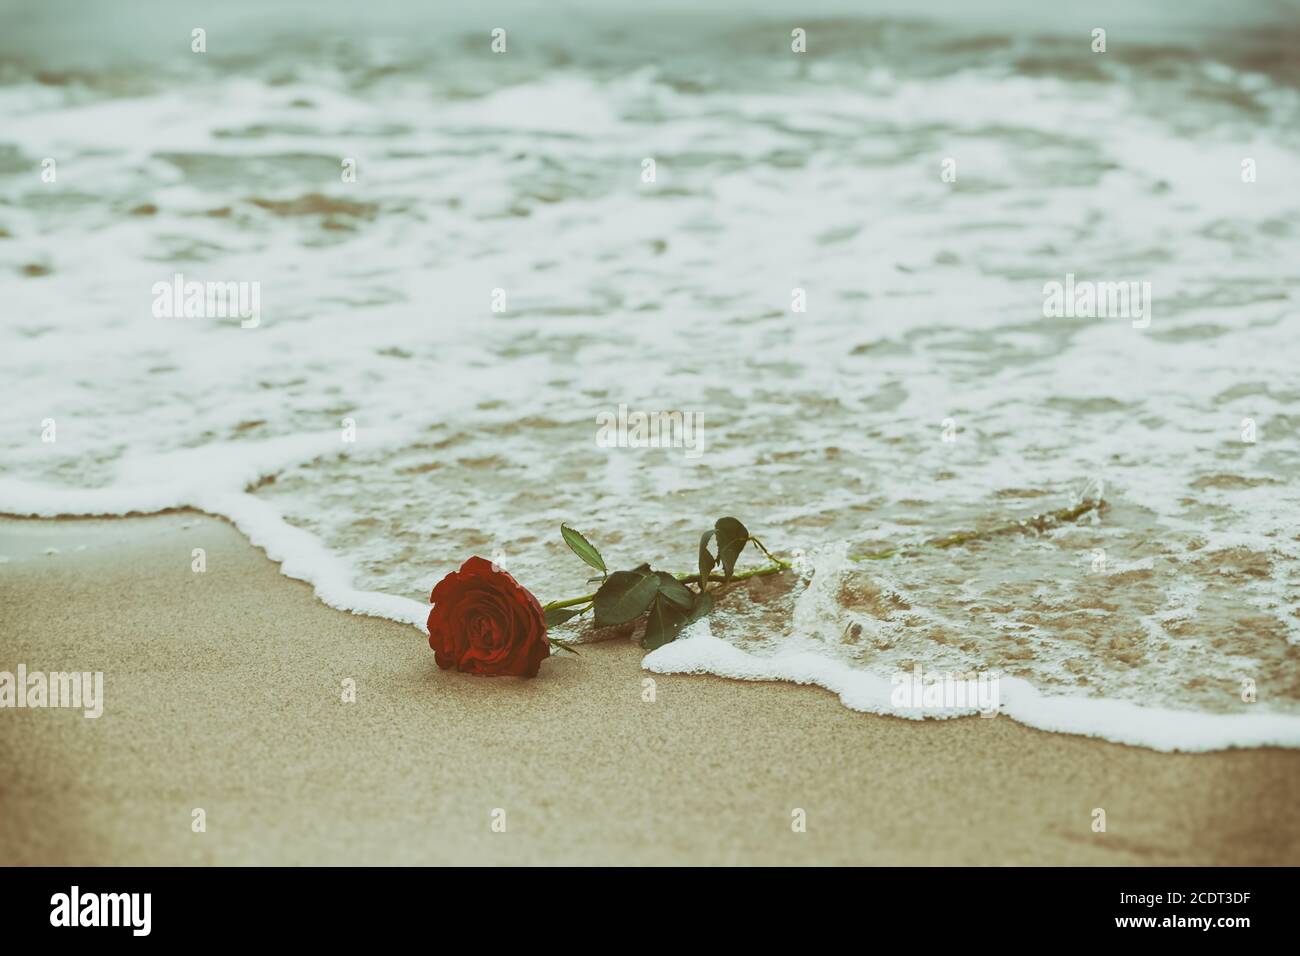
[[484, 622]]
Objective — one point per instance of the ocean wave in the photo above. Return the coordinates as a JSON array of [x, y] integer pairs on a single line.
[[519, 183]]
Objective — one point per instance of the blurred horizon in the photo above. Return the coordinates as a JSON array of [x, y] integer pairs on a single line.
[[64, 33]]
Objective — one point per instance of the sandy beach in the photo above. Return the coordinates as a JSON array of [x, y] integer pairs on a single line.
[[223, 691]]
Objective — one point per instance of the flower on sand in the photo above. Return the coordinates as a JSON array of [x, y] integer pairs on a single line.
[[484, 622]]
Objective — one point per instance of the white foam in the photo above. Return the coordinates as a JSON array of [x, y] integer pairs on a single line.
[[302, 556], [1156, 728], [213, 479], [925, 303]]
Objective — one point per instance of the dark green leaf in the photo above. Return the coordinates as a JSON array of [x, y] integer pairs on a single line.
[[666, 619], [558, 615], [702, 607], [624, 597], [707, 561], [582, 547], [674, 590], [732, 536]]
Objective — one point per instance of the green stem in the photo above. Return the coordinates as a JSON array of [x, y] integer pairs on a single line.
[[1038, 522], [784, 565], [685, 579]]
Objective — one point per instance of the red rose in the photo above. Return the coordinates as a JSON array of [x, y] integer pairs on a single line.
[[484, 622]]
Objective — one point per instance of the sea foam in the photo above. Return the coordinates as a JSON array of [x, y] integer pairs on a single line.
[[1155, 728], [475, 428]]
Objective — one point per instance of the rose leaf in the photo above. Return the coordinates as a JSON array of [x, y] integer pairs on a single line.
[[624, 597], [702, 607], [666, 619], [674, 590], [558, 615], [732, 536], [582, 548], [707, 561]]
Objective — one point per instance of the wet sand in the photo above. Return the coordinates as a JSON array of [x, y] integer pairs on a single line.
[[223, 692]]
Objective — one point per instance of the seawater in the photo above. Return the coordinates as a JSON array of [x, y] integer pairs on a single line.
[[922, 390]]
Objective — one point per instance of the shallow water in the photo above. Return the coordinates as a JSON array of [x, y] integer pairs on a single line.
[[823, 430]]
